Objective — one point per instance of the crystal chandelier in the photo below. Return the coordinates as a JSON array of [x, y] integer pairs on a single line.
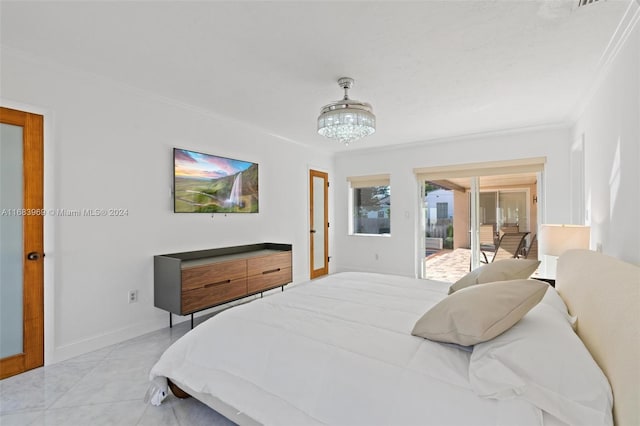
[[346, 120]]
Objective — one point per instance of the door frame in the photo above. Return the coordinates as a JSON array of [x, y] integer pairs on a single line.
[[33, 241], [314, 273]]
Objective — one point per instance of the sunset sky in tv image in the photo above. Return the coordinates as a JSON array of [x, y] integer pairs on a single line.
[[204, 166]]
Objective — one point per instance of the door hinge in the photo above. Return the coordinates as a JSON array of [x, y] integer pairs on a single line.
[[328, 259], [327, 184], [328, 224]]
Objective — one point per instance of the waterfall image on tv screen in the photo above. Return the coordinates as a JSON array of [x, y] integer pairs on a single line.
[[205, 183]]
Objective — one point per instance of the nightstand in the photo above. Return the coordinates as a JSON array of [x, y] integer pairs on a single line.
[[551, 281]]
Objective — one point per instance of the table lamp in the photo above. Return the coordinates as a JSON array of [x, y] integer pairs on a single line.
[[553, 240]]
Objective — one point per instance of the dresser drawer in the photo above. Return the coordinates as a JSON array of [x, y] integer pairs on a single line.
[[212, 294], [259, 265], [213, 273], [269, 279]]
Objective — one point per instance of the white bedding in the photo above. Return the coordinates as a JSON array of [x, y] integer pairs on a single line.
[[336, 351]]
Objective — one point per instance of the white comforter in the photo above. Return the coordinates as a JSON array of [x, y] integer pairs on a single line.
[[336, 351]]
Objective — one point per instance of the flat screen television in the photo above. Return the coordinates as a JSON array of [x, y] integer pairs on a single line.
[[205, 183]]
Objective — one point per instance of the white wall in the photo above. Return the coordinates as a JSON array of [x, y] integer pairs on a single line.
[[397, 253], [109, 146], [610, 125]]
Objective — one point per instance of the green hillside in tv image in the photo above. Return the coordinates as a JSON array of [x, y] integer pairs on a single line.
[[206, 183]]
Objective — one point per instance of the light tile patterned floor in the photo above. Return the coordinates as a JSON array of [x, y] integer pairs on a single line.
[[105, 387]]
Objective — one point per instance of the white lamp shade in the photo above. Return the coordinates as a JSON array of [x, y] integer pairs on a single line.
[[553, 240]]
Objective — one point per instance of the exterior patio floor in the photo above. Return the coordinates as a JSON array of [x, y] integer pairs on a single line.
[[451, 265], [448, 265]]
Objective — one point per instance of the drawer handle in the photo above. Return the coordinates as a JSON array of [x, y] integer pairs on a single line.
[[218, 283], [271, 271]]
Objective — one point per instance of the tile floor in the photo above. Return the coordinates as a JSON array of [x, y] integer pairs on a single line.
[[105, 387]]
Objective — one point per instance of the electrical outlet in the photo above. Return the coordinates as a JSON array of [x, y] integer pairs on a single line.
[[133, 296]]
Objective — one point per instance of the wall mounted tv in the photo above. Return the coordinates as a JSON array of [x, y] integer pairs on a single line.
[[205, 183]]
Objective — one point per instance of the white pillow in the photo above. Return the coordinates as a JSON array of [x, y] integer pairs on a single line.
[[542, 360], [479, 313], [552, 298], [500, 270]]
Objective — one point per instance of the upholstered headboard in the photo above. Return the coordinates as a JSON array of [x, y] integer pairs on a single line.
[[604, 293]]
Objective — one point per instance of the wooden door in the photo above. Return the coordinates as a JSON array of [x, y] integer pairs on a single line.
[[21, 242], [319, 223]]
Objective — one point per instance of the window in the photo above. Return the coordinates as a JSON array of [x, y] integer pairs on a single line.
[[370, 205], [442, 210]]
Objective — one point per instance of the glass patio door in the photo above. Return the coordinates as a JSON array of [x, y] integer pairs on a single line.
[[513, 211], [487, 200]]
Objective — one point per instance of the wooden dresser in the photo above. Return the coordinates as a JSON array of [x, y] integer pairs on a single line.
[[188, 282]]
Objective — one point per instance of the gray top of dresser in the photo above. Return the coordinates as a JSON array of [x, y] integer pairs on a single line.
[[218, 259]]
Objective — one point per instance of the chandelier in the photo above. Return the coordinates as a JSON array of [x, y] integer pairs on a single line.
[[346, 120]]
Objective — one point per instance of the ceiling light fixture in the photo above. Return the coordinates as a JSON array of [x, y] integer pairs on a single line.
[[346, 120]]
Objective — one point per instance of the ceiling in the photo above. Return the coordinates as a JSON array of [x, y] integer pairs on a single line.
[[431, 69]]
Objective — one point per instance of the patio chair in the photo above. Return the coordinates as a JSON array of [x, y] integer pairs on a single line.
[[509, 229], [532, 251], [487, 237], [509, 246]]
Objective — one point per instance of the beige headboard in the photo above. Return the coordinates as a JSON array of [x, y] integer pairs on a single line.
[[604, 293]]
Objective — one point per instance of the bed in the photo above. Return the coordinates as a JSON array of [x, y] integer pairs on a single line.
[[339, 351]]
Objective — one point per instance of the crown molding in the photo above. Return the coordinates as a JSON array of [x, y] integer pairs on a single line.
[[563, 125], [623, 31]]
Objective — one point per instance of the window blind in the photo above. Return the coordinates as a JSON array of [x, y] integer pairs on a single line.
[[368, 181]]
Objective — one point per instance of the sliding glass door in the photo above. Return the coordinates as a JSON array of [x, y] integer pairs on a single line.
[[465, 216], [513, 209]]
